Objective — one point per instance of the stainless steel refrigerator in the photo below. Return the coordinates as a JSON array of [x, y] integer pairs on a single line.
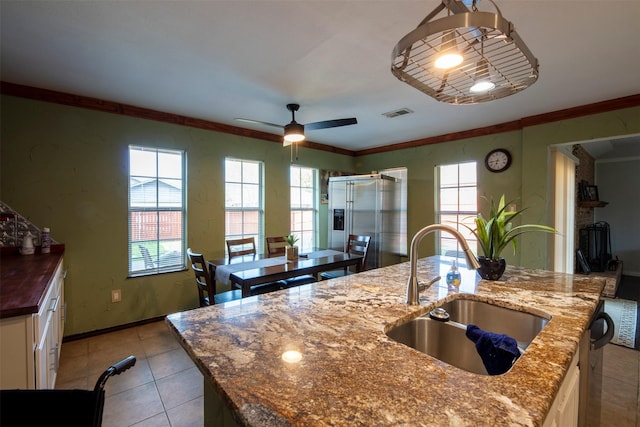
[[368, 205]]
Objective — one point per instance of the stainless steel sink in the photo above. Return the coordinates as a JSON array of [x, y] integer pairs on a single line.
[[524, 327], [447, 341]]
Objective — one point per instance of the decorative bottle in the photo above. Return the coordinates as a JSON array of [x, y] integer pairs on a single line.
[[46, 240], [453, 276]]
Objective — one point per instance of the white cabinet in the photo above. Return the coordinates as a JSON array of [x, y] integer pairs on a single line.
[[30, 344], [564, 410], [50, 322]]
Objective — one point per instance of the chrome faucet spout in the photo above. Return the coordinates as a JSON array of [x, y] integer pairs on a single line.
[[412, 285]]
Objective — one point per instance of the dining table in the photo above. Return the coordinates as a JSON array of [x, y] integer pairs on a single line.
[[251, 270]]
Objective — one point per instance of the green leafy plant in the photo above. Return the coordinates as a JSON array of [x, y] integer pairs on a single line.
[[497, 231], [291, 240]]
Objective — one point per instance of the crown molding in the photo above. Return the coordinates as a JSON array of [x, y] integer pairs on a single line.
[[80, 101], [539, 119]]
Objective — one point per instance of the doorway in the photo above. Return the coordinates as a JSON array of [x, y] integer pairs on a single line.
[[562, 198]]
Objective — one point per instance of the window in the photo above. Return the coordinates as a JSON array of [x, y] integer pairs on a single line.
[[457, 204], [303, 206], [243, 208], [156, 210]]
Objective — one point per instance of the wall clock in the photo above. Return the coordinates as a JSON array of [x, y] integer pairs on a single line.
[[498, 160]]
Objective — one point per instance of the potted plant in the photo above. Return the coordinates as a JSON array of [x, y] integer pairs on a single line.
[[495, 233], [291, 248]]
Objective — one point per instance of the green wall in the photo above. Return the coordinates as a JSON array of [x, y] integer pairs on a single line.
[[66, 168], [421, 163], [525, 181]]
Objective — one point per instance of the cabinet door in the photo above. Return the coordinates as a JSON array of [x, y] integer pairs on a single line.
[[16, 352], [43, 356], [47, 354], [62, 305], [568, 410], [564, 410], [57, 323]]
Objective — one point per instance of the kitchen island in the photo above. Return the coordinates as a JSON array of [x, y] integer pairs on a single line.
[[351, 373]]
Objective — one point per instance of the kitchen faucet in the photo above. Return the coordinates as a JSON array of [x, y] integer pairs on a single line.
[[412, 284]]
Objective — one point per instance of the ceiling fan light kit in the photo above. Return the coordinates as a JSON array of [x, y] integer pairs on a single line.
[[294, 131], [492, 54]]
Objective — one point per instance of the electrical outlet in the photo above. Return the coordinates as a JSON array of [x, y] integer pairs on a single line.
[[116, 295]]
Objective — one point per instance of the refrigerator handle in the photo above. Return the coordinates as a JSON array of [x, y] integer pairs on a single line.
[[348, 215]]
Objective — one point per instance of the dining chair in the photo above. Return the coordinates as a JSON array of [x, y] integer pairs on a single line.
[[276, 247], [240, 247], [357, 245], [206, 285], [247, 246], [148, 261]]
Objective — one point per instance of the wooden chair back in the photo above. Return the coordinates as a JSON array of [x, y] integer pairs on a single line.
[[204, 282], [356, 245], [240, 247], [359, 245], [276, 246]]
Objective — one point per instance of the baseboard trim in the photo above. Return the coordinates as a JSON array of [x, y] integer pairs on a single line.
[[111, 329]]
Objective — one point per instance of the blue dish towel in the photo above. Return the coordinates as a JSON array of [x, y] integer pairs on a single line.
[[498, 351]]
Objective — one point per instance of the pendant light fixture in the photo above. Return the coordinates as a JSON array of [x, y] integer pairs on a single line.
[[482, 79], [493, 60]]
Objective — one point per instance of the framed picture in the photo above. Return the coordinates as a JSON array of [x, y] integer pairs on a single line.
[[582, 190], [592, 193]]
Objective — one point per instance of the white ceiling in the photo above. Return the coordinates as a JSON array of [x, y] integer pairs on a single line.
[[219, 60]]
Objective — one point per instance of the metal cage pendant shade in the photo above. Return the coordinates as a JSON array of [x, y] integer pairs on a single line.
[[489, 44]]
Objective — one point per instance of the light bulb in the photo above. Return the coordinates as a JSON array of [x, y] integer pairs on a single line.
[[482, 86], [449, 56], [294, 137], [449, 60]]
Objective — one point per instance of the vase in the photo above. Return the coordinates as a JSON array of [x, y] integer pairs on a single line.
[[491, 269], [292, 253]]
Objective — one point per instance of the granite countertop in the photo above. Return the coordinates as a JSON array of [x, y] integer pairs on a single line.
[[352, 374]]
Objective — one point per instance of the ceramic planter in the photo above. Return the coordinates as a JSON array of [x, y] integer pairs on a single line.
[[491, 269]]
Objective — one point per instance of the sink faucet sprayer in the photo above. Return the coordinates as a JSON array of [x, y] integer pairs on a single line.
[[412, 284]]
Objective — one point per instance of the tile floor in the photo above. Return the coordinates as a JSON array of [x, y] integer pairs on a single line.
[[164, 388]]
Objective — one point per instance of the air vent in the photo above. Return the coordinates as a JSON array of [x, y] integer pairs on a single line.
[[396, 113]]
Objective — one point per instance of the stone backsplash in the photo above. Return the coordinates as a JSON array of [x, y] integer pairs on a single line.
[[13, 228]]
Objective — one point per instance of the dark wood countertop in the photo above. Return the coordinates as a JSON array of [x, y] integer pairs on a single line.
[[24, 280]]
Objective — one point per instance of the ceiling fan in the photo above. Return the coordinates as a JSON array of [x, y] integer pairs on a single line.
[[294, 131]]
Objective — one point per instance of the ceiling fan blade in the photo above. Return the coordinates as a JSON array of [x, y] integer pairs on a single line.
[[259, 122], [331, 123]]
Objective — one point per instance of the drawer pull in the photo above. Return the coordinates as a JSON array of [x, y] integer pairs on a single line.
[[54, 304]]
